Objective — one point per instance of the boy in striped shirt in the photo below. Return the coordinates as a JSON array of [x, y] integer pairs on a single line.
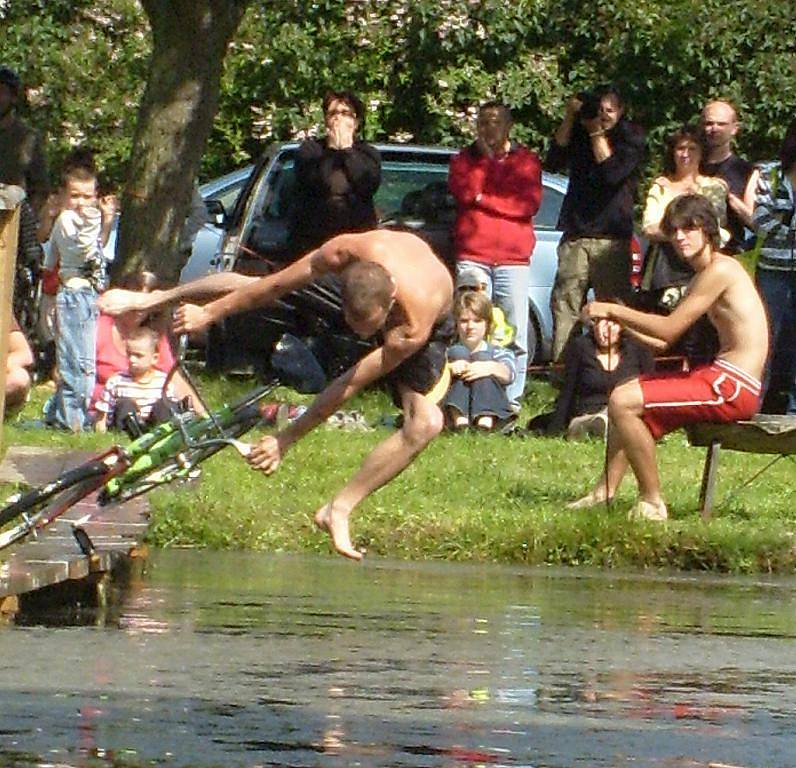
[[137, 392]]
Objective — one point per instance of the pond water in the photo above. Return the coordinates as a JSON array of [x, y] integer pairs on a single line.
[[231, 659]]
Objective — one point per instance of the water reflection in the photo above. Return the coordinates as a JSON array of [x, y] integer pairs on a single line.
[[239, 659]]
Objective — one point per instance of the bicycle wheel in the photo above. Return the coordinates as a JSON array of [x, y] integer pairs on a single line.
[[40, 506], [172, 458], [30, 501]]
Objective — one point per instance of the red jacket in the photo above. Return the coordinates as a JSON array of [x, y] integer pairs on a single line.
[[496, 198]]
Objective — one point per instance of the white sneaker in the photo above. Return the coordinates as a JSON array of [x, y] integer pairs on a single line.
[[588, 425], [645, 510]]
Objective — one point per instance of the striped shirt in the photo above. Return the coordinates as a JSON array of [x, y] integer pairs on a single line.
[[143, 393], [774, 219]]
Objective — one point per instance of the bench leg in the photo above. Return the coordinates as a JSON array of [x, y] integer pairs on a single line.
[[709, 479]]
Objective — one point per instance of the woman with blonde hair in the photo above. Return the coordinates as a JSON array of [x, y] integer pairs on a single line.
[[665, 274]]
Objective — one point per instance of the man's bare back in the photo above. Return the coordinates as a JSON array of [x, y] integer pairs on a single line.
[[423, 285]]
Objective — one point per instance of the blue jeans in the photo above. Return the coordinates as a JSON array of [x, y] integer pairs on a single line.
[[482, 397], [778, 290], [507, 286], [75, 348]]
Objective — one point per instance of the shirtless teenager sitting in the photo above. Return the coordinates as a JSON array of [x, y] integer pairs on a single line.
[[392, 283], [646, 408]]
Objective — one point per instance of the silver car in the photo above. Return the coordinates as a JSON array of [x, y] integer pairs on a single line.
[[220, 196]]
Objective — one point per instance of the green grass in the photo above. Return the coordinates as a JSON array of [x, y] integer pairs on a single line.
[[475, 497]]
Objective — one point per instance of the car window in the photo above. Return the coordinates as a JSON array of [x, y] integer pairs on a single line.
[[403, 181], [547, 215], [413, 185], [283, 181], [228, 196], [405, 185]]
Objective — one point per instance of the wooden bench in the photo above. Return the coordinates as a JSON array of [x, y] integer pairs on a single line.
[[765, 433]]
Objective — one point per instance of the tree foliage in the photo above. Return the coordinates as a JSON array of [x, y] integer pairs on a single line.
[[422, 67], [85, 65]]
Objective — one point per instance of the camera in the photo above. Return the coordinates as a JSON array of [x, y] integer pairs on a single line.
[[589, 105]]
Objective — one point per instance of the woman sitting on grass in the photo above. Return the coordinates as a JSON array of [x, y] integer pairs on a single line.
[[480, 370], [594, 364]]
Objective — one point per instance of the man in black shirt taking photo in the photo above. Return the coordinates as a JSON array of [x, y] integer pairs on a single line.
[[603, 152]]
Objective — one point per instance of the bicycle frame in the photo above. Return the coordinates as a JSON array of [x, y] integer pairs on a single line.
[[180, 438]]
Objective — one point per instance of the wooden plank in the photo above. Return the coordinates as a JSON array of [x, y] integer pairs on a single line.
[[763, 434], [54, 557]]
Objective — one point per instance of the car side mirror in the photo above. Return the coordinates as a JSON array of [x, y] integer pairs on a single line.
[[216, 212]]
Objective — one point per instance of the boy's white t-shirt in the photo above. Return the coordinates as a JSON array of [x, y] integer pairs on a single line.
[[74, 242]]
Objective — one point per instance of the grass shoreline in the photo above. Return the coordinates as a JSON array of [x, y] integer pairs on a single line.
[[472, 497]]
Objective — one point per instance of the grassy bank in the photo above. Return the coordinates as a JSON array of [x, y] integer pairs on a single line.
[[476, 497]]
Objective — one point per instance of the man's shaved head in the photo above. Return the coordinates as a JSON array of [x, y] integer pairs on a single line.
[[720, 108]]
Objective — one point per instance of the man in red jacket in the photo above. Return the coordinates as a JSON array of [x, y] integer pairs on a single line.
[[497, 185]]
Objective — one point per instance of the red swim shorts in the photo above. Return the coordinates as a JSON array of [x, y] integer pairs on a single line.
[[718, 392]]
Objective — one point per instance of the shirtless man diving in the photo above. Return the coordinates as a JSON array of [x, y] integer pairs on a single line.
[[393, 285], [644, 409]]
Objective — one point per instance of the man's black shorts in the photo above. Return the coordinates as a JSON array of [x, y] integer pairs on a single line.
[[423, 370]]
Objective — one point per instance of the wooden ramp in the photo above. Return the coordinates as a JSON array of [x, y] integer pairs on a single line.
[[54, 561]]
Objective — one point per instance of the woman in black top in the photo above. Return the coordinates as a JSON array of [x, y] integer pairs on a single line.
[[594, 364], [336, 178]]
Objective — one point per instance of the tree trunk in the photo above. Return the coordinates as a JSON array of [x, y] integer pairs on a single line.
[[189, 42]]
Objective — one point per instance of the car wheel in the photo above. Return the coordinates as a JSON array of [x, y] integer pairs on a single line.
[[534, 336]]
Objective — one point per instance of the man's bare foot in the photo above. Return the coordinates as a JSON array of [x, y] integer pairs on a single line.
[[335, 522], [591, 499]]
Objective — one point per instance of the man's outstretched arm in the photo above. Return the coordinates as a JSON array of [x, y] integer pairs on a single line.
[[117, 300], [661, 331], [260, 292], [333, 256]]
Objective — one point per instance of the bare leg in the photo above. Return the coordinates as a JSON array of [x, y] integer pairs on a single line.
[[625, 409], [423, 421], [611, 477], [17, 387]]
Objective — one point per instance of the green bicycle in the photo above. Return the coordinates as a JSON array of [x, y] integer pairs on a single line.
[[166, 453]]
